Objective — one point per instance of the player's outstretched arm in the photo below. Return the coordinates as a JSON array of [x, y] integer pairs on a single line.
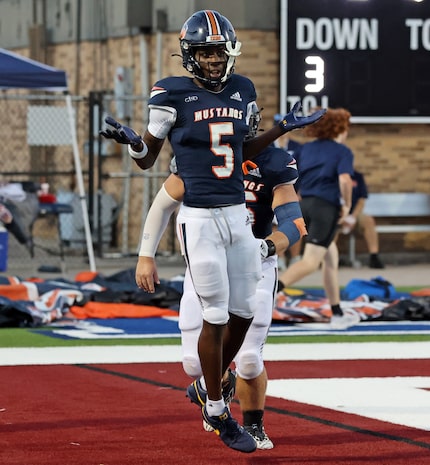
[[121, 134], [252, 147], [293, 121], [144, 150]]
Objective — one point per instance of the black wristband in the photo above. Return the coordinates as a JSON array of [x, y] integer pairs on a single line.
[[271, 248]]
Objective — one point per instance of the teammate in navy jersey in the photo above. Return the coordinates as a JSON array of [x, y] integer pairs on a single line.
[[206, 119], [269, 188]]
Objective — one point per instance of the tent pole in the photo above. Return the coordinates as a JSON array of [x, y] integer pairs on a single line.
[[79, 177]]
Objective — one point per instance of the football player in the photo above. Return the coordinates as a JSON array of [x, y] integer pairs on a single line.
[[269, 190], [205, 117]]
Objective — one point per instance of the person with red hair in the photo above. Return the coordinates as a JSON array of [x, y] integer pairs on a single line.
[[325, 168]]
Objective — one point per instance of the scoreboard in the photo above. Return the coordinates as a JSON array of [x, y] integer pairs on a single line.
[[371, 57]]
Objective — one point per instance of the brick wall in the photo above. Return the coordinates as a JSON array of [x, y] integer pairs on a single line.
[[393, 157]]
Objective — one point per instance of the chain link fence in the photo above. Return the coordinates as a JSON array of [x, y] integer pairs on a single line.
[[38, 171]]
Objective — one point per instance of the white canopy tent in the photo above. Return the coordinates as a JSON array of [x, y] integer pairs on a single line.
[[18, 72]]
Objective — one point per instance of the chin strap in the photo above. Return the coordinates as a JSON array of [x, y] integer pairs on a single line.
[[232, 53]]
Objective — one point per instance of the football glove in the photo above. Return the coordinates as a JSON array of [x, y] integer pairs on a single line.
[[292, 121], [118, 132]]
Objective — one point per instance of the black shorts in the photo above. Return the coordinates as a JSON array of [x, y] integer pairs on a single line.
[[321, 218]]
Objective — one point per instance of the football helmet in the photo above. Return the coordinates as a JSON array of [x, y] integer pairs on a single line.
[[205, 28]]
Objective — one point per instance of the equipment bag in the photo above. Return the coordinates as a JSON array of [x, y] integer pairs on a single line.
[[375, 288]]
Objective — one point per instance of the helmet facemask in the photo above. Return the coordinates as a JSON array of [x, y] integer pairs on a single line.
[[253, 120], [233, 51]]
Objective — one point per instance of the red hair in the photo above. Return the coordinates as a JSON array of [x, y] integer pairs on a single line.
[[334, 122]]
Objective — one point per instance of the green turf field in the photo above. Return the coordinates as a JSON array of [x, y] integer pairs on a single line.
[[24, 337]]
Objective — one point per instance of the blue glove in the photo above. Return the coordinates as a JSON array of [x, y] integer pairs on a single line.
[[291, 121], [122, 134]]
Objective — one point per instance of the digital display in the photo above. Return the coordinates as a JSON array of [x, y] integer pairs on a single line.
[[369, 56]]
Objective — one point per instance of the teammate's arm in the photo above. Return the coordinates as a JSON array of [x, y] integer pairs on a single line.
[[165, 203], [291, 226]]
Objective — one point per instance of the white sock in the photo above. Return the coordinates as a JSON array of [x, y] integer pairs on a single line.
[[215, 407], [203, 383]]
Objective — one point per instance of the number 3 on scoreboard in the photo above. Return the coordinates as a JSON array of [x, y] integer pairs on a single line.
[[316, 74]]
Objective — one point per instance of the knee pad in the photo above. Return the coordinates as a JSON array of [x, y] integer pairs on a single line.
[[211, 294], [191, 366], [216, 315], [249, 364], [193, 310]]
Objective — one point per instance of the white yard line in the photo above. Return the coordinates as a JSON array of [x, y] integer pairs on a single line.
[[399, 400], [172, 353]]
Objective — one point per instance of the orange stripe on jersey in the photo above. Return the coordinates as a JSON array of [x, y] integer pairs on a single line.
[[248, 165], [213, 23]]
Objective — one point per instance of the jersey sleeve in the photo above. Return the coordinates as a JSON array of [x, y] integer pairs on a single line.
[[160, 94], [281, 168], [162, 111], [161, 120], [346, 161]]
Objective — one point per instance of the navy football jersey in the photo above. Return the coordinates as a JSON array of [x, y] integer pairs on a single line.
[[275, 166], [207, 137], [320, 163]]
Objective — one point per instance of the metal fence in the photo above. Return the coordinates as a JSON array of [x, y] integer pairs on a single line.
[[37, 165]]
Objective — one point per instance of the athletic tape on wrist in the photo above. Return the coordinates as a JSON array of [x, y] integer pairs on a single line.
[[271, 248], [138, 155]]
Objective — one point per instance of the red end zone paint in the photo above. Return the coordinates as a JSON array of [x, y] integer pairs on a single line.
[[138, 414]]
